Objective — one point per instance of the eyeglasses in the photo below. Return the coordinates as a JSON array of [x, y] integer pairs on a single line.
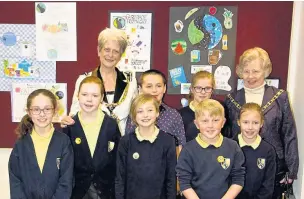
[[37, 111], [199, 89]]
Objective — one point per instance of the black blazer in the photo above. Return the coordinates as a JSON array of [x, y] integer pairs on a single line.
[[99, 170]]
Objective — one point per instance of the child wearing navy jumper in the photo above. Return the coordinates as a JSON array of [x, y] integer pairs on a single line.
[[210, 166], [146, 158], [260, 156]]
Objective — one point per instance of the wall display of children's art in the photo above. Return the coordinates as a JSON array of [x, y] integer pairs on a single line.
[[56, 31], [20, 92], [138, 27], [18, 57], [202, 38]]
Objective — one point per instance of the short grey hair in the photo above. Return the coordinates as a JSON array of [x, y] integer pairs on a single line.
[[113, 34], [251, 55]]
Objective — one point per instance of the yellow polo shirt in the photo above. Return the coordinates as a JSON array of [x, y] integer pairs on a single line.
[[254, 145], [41, 145], [91, 129], [151, 139], [204, 144]]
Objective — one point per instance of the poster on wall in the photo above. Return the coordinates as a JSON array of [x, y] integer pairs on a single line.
[[56, 31], [138, 27], [20, 92], [202, 38], [18, 61]]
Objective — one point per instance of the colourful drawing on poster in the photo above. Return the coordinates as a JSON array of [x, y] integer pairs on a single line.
[[138, 28], [222, 75], [20, 92], [179, 46], [191, 12], [18, 62], [214, 27], [178, 76], [228, 19], [178, 25]]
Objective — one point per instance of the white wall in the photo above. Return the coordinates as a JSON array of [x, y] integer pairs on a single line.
[[295, 84], [4, 182]]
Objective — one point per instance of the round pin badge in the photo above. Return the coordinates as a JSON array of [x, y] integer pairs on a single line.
[[220, 159], [135, 155], [77, 140]]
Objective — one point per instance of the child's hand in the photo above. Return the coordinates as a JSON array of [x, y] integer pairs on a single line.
[[66, 120], [288, 181]]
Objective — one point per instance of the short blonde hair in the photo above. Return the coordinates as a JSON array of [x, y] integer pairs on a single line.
[[201, 75], [252, 107], [140, 100], [113, 34], [210, 105], [251, 55]]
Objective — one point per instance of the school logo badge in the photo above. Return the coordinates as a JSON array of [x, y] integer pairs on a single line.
[[58, 163], [226, 163], [261, 162], [110, 146], [77, 140]]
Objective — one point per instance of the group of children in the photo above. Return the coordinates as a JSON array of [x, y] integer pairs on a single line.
[[90, 159]]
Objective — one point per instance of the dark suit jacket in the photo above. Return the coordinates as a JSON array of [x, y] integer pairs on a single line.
[[279, 126], [99, 170]]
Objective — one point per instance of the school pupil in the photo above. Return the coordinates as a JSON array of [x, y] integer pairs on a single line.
[[210, 166], [41, 162], [260, 157], [146, 157], [202, 85], [94, 137]]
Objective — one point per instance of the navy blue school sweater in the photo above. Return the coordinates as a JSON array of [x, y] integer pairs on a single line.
[[188, 117], [260, 164], [210, 171], [146, 170], [56, 179], [99, 170]]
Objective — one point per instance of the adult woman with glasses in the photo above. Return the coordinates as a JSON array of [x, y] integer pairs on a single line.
[[120, 88], [279, 126], [201, 88]]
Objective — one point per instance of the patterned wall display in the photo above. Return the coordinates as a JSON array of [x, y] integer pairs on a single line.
[[202, 38], [18, 57]]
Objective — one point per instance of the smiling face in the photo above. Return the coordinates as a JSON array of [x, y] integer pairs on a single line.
[[41, 118], [146, 114], [253, 74], [209, 126], [89, 97], [110, 54], [250, 123], [199, 89], [153, 84]]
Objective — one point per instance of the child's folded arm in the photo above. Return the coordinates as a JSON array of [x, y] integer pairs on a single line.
[[238, 170], [184, 170]]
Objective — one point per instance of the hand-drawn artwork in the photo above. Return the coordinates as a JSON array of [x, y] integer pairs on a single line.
[[179, 46], [20, 92], [205, 40], [18, 62], [212, 10], [178, 25], [228, 19], [196, 68], [119, 23], [191, 12], [56, 31], [225, 42], [222, 75], [214, 27], [178, 76], [9, 39], [195, 56], [138, 27], [214, 56], [185, 88], [184, 102], [197, 34]]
